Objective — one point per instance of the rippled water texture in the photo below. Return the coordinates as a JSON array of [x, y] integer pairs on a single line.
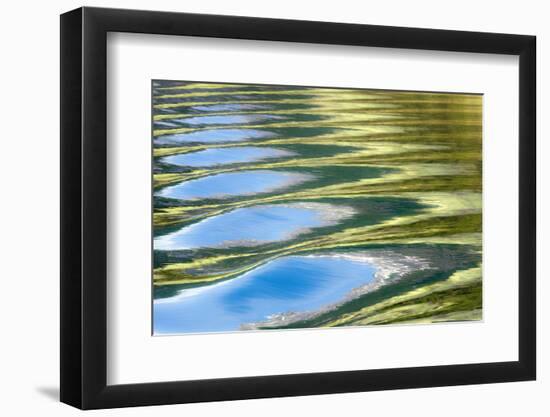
[[279, 207], [224, 156], [227, 120], [252, 226], [288, 284], [234, 183], [213, 135]]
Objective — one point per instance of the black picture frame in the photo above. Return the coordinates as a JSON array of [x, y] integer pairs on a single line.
[[84, 207]]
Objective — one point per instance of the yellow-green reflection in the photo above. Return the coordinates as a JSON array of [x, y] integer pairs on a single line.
[[411, 161]]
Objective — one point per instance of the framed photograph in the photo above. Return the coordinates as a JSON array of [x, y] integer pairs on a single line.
[[261, 208]]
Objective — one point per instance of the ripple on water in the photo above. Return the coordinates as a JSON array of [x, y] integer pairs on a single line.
[[289, 284], [250, 226], [222, 156], [238, 119], [162, 124], [231, 184], [229, 107], [213, 136]]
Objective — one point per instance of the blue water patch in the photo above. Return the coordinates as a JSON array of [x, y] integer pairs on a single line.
[[229, 107], [255, 225], [223, 156], [289, 284], [233, 184], [164, 124], [239, 119], [213, 136], [166, 110]]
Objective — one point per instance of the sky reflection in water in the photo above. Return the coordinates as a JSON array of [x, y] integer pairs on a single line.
[[233, 184], [253, 225], [294, 283], [213, 136], [229, 107], [221, 156], [227, 120]]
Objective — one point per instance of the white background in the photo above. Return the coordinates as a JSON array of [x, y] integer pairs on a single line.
[[29, 221], [134, 356]]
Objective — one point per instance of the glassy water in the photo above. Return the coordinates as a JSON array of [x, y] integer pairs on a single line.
[[224, 156], [290, 284], [227, 120], [213, 136], [229, 107], [251, 226], [271, 179], [234, 184]]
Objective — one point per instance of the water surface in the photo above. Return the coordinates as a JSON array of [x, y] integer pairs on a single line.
[[234, 184], [289, 284], [213, 136], [365, 157], [223, 156], [229, 107], [227, 120], [163, 124], [255, 225]]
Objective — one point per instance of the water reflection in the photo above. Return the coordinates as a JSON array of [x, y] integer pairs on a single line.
[[161, 124], [224, 156], [227, 120], [254, 177], [234, 184], [213, 136], [252, 226], [229, 107], [295, 283]]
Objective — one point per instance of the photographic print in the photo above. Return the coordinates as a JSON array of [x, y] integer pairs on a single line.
[[294, 207]]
